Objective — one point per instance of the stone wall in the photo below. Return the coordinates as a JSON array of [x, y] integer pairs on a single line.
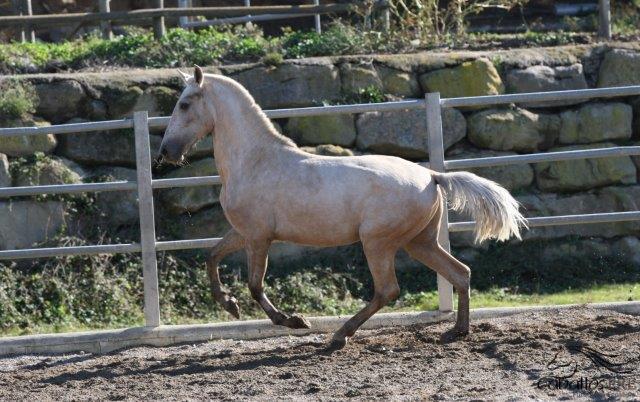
[[583, 186]]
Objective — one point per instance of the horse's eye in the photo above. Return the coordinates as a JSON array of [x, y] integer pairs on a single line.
[[184, 106]]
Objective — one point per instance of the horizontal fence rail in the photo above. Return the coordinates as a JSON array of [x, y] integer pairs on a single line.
[[432, 104], [68, 128], [67, 189], [559, 156], [196, 181], [608, 217], [65, 251], [216, 12], [242, 20], [578, 94]]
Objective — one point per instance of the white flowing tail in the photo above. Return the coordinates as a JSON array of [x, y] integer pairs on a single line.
[[489, 204]]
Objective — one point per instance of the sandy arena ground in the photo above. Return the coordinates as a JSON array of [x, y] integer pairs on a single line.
[[503, 358]]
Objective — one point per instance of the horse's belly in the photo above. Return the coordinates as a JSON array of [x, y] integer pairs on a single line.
[[317, 229]]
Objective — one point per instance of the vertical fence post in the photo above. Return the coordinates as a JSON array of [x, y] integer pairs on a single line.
[[247, 3], [105, 26], [23, 34], [386, 18], [317, 18], [436, 162], [30, 33], [147, 222], [158, 22], [182, 20], [604, 20]]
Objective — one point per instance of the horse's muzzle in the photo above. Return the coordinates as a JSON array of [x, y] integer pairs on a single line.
[[170, 153]]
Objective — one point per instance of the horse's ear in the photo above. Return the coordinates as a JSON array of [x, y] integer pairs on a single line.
[[184, 76], [199, 76]]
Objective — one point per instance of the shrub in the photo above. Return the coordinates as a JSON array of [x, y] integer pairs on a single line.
[[272, 59], [433, 20], [336, 40], [17, 99]]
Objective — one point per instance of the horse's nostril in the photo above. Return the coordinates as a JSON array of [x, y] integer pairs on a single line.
[[163, 152]]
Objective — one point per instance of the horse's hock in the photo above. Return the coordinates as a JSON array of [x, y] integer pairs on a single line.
[[554, 188]]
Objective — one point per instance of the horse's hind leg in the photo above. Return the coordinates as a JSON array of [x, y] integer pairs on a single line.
[[380, 258], [231, 242], [425, 248], [257, 261]]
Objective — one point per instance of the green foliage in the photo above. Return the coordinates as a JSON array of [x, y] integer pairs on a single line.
[[88, 290], [557, 38], [336, 40], [370, 94], [318, 290], [625, 17], [272, 59], [181, 47], [106, 291], [17, 99]]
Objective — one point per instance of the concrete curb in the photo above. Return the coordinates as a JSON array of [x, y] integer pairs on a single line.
[[165, 335]]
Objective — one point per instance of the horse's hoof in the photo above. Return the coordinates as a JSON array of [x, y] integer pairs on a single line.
[[461, 330], [454, 334], [231, 306], [336, 344], [296, 322]]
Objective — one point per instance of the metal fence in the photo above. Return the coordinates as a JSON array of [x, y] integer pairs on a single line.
[[157, 14], [432, 104], [186, 23]]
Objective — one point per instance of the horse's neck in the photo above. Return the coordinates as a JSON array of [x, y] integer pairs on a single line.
[[244, 141]]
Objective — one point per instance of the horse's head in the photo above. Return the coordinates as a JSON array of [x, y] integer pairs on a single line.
[[192, 119]]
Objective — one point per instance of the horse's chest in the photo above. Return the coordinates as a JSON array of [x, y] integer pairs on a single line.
[[242, 210]]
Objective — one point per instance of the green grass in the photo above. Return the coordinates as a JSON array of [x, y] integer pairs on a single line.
[[71, 326], [504, 298]]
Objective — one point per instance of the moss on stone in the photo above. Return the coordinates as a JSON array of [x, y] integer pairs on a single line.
[[471, 78], [312, 130], [27, 144], [596, 122], [512, 130], [584, 174], [43, 170]]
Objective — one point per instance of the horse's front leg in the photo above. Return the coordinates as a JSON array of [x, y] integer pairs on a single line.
[[257, 261], [231, 242]]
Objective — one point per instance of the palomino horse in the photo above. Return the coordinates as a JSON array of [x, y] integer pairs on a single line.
[[274, 191]]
